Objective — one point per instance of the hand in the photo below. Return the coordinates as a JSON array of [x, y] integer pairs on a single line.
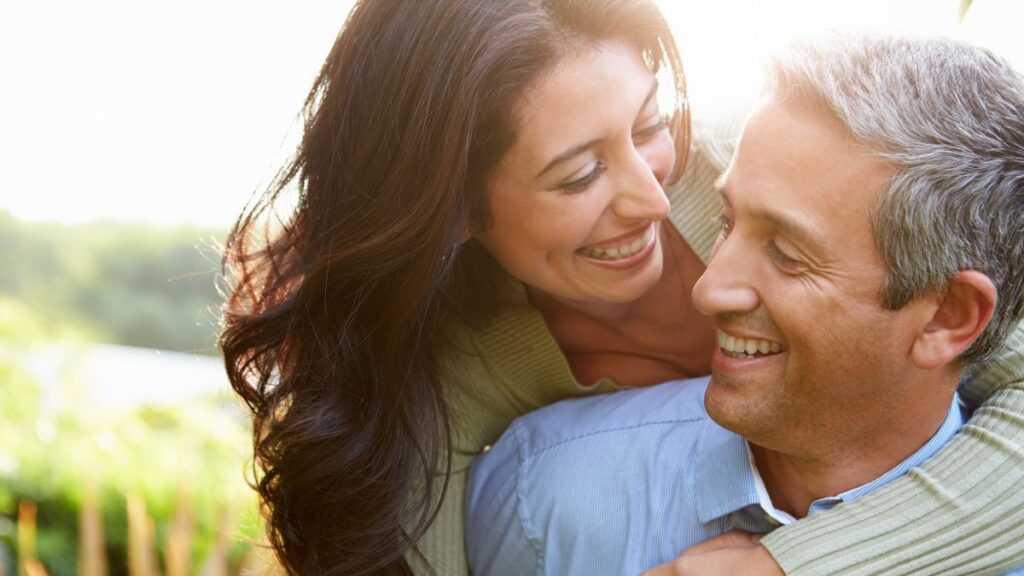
[[734, 553]]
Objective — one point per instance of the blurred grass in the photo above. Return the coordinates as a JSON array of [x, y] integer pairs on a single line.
[[75, 286], [130, 284]]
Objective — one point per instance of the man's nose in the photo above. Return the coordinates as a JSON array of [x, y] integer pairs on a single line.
[[729, 284]]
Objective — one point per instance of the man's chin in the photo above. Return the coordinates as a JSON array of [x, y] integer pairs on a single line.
[[735, 408]]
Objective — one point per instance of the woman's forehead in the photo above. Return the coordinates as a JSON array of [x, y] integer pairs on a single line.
[[588, 94]]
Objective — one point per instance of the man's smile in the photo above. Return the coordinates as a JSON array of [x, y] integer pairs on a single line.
[[744, 348]]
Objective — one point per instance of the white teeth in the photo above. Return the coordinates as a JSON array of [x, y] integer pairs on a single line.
[[747, 347], [623, 251]]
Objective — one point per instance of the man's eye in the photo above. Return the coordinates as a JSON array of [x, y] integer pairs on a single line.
[[577, 186], [724, 225], [781, 257]]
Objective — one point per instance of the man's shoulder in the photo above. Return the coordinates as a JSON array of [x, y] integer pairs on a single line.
[[636, 408], [586, 486]]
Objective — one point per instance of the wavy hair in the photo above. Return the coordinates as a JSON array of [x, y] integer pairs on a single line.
[[334, 312]]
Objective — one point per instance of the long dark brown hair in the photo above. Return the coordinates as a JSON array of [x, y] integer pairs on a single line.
[[333, 316]]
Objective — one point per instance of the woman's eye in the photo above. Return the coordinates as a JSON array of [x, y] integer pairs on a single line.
[[781, 257], [650, 131], [581, 184]]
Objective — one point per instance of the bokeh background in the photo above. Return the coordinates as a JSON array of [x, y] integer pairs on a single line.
[[131, 135]]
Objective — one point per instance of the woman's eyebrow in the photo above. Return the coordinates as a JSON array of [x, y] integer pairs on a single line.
[[585, 145], [567, 155], [650, 95]]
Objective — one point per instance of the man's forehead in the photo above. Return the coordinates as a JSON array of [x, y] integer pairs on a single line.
[[795, 165]]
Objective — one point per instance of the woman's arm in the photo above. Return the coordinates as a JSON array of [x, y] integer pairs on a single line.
[[960, 513]]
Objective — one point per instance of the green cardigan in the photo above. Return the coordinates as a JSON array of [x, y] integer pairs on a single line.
[[963, 512]]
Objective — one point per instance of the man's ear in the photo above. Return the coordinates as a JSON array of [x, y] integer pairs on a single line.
[[962, 314]]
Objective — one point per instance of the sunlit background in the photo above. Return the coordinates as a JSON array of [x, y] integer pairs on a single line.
[[131, 134], [173, 113]]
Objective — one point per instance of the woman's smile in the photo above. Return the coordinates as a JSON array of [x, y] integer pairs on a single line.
[[623, 252]]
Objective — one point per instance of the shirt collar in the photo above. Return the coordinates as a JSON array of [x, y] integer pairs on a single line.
[[729, 480], [953, 422], [726, 482]]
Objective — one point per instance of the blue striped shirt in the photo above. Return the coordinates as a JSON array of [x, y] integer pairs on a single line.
[[619, 483]]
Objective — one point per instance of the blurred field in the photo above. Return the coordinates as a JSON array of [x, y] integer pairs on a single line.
[[122, 449]]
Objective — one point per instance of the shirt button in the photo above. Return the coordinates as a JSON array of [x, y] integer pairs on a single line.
[[487, 448]]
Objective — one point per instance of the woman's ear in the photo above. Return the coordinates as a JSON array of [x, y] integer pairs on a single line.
[[962, 314]]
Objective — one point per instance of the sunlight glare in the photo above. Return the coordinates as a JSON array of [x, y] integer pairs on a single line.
[[177, 113]]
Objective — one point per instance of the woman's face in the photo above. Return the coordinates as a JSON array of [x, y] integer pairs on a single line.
[[576, 201]]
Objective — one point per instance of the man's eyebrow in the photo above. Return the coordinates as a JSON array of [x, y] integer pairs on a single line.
[[590, 143], [784, 221]]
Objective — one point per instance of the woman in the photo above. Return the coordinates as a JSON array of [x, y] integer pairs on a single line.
[[481, 231]]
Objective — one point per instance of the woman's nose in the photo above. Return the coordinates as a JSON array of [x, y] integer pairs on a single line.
[[641, 195]]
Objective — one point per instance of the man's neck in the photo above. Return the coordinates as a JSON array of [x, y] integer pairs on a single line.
[[794, 482]]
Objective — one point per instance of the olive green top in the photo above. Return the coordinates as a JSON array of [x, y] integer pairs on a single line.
[[962, 512]]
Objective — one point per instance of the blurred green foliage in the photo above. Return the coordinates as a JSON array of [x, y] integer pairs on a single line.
[[134, 285], [52, 452], [131, 284]]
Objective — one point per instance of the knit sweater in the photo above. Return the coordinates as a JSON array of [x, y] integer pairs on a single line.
[[962, 512]]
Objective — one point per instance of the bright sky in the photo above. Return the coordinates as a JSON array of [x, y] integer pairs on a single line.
[[177, 112]]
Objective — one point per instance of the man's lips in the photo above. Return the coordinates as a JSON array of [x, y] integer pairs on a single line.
[[747, 347]]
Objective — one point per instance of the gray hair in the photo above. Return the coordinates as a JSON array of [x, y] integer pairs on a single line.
[[951, 117]]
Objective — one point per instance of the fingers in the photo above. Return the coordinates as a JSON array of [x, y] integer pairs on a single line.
[[745, 559], [663, 570], [733, 539]]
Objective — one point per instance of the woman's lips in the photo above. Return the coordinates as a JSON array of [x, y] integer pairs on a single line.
[[624, 254]]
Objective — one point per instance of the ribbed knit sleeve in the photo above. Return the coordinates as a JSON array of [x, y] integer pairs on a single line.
[[962, 512]]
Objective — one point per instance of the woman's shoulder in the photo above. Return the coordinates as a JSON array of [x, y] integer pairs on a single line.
[[716, 133], [694, 199], [496, 368]]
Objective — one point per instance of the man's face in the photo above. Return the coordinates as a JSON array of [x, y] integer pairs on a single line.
[[795, 282]]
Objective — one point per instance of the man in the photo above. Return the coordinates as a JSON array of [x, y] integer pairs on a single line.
[[872, 235]]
